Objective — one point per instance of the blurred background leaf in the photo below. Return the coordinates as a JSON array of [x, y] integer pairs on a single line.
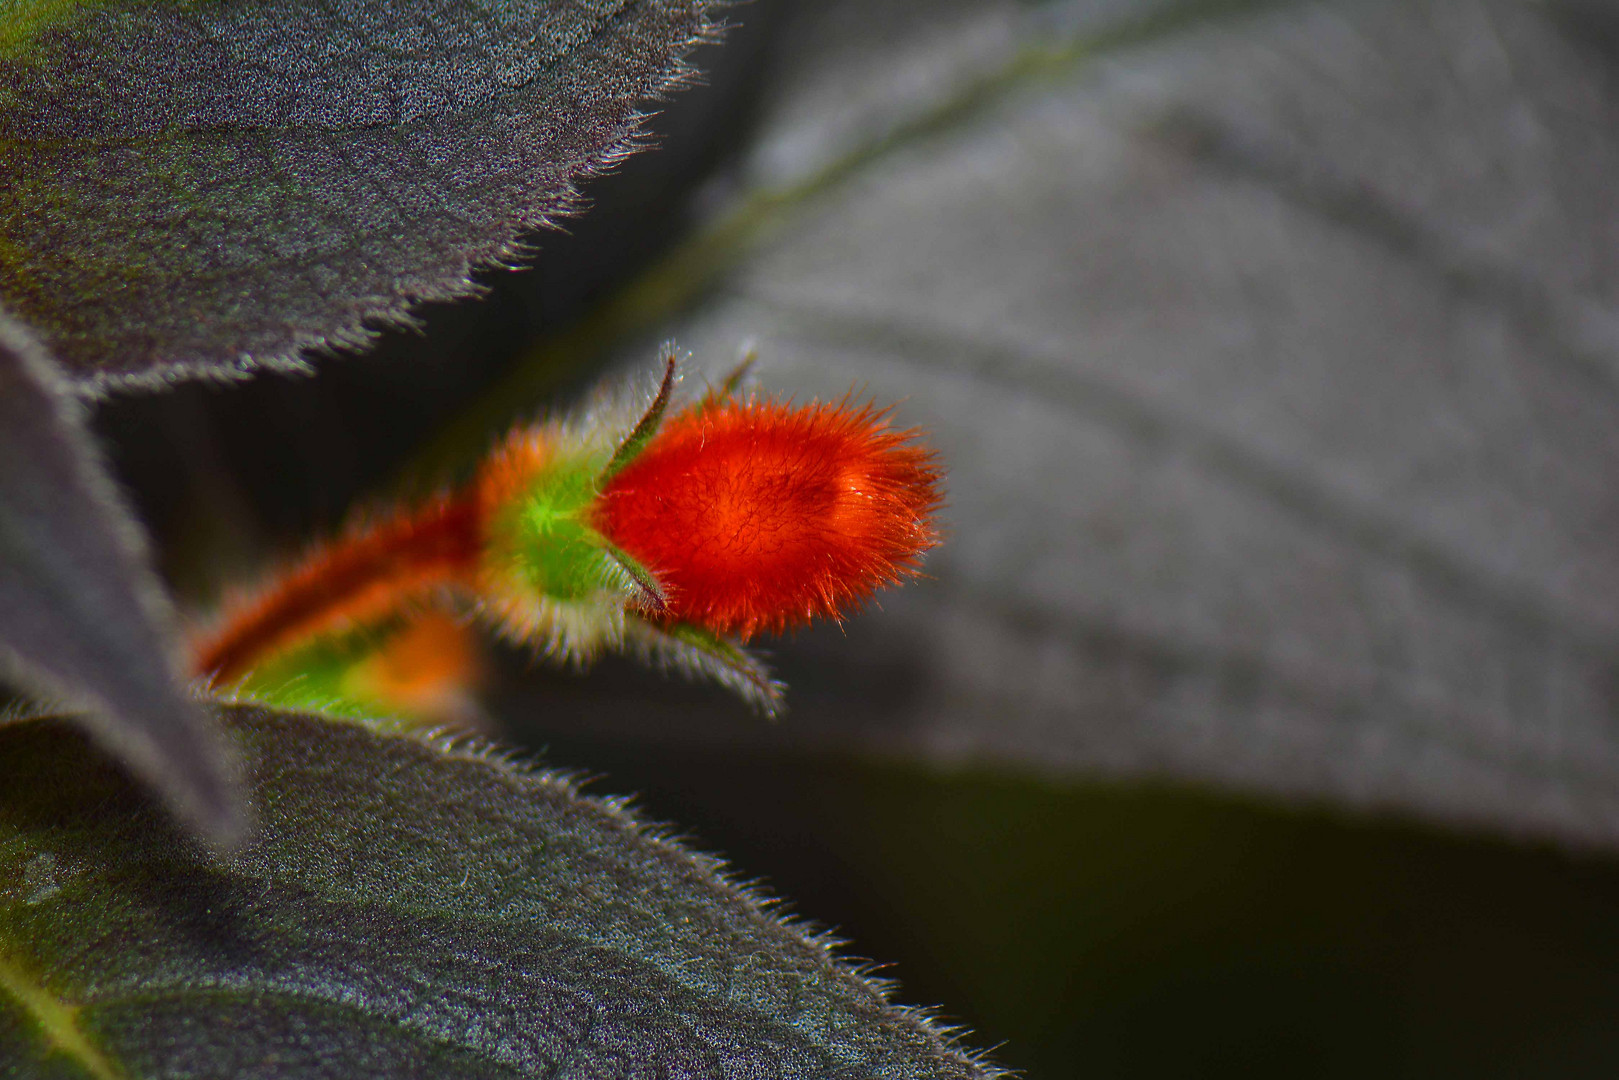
[[1267, 362], [217, 187], [1277, 454], [402, 911], [1268, 347]]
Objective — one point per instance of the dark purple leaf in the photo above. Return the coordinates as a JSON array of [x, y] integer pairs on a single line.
[[82, 617], [405, 910], [190, 188]]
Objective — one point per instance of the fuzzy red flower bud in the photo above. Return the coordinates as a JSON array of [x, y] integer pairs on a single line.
[[758, 516], [677, 540]]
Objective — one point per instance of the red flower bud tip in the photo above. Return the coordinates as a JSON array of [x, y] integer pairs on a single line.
[[758, 516]]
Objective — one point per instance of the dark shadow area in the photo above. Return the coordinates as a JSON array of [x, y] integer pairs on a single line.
[[1097, 930]]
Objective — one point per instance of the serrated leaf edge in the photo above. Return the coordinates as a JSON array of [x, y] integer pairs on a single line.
[[669, 840], [398, 312]]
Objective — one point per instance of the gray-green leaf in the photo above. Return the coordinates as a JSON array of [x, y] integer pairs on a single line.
[[405, 910], [209, 187], [82, 617], [1273, 362]]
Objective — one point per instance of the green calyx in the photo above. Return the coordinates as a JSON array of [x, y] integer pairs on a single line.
[[545, 546], [544, 543]]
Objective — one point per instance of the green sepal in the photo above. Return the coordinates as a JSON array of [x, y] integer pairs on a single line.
[[696, 651], [653, 600], [733, 380], [641, 435]]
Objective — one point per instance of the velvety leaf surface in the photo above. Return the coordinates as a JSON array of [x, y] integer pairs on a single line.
[[1272, 361], [82, 617], [405, 910], [214, 186]]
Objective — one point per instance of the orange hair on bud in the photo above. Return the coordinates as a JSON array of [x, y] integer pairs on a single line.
[[361, 577], [759, 516]]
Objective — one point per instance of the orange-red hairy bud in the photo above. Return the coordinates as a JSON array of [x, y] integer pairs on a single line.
[[676, 538], [759, 516]]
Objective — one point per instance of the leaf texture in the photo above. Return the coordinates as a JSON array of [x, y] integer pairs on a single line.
[[405, 910], [83, 619], [212, 187], [1273, 366]]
